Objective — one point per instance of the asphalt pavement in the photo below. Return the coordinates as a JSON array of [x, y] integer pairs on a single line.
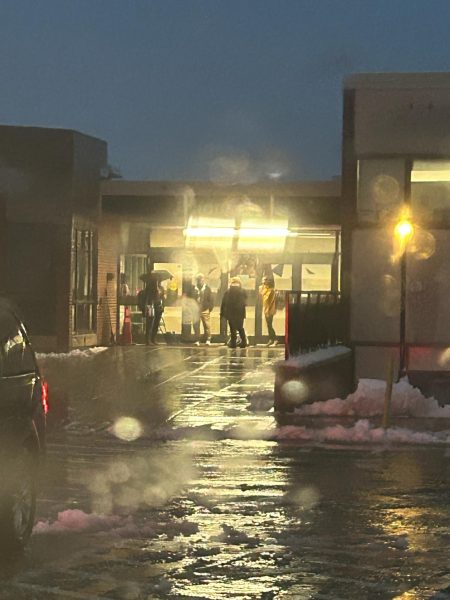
[[162, 481]]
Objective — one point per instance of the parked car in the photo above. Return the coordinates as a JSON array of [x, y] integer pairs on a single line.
[[23, 408]]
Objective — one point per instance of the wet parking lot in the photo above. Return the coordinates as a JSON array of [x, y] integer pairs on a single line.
[[191, 496]]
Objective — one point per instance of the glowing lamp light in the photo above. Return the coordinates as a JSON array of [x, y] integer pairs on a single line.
[[263, 233], [209, 232], [404, 230], [249, 234], [223, 232]]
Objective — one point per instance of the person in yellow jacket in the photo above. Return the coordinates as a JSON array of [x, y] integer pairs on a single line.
[[269, 303]]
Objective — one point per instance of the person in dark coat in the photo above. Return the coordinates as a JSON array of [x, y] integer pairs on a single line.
[[151, 303], [233, 310], [203, 296]]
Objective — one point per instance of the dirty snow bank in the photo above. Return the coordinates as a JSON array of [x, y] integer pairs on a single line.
[[261, 401], [77, 521], [78, 353], [368, 401], [361, 432], [310, 358]]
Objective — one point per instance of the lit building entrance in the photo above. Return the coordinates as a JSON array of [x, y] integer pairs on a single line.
[[309, 263], [288, 230]]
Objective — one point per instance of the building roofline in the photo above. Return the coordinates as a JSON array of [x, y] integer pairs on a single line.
[[61, 130], [371, 81], [122, 187]]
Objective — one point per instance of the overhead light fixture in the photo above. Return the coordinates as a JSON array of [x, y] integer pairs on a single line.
[[210, 232]]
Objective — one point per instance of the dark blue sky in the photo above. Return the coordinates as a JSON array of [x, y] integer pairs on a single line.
[[199, 89]]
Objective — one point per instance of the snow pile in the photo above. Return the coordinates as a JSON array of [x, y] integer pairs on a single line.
[[368, 401], [310, 358], [261, 400], [77, 521], [78, 353], [361, 432]]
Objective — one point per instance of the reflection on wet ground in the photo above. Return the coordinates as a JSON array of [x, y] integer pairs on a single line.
[[192, 512]]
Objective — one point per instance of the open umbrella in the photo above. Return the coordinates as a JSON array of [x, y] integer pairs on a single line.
[[158, 274], [161, 274]]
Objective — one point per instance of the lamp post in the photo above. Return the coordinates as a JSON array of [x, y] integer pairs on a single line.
[[403, 231]]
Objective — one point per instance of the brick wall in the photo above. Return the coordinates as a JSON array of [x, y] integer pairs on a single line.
[[108, 256]]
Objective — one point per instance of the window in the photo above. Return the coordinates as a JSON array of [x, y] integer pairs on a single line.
[[430, 191], [316, 277], [132, 267], [380, 188], [83, 285]]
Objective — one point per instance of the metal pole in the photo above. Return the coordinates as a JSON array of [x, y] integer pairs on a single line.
[[286, 326], [402, 358], [388, 393]]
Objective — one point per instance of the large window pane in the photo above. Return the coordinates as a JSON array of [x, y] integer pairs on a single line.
[[430, 191], [316, 277], [381, 188]]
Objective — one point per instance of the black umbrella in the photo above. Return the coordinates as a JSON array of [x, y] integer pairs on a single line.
[[161, 274]]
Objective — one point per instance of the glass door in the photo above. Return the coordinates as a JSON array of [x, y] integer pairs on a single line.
[[131, 268]]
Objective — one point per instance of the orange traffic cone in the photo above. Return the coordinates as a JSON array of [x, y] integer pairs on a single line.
[[126, 337]]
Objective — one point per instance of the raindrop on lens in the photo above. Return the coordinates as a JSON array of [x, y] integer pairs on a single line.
[[294, 391], [423, 245], [385, 189], [127, 428]]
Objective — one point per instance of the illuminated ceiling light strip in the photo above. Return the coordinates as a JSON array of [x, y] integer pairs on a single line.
[[313, 235], [223, 232], [262, 233], [430, 176], [210, 232]]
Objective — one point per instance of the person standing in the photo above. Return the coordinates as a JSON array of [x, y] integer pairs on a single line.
[[151, 303], [269, 303], [203, 296], [233, 310]]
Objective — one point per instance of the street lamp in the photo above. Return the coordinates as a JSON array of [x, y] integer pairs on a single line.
[[403, 232]]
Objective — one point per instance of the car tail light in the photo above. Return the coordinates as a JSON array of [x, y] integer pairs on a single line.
[[44, 395]]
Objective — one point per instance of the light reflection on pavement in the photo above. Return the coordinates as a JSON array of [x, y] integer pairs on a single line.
[[207, 508]]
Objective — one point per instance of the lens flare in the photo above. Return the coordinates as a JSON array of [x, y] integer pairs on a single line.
[[422, 245], [385, 189], [127, 428], [294, 391]]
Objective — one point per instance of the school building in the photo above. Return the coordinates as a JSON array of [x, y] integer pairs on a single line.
[[70, 235]]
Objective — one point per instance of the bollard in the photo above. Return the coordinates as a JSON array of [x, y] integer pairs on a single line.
[[126, 337], [388, 392]]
